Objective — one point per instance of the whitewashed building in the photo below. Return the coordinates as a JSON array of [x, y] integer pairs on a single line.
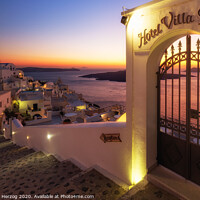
[[31, 102], [8, 70], [11, 78], [5, 100]]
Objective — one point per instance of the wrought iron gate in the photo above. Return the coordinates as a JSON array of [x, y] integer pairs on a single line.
[[178, 110]]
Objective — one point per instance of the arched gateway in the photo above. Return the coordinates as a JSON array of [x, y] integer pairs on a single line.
[[163, 92], [178, 109]]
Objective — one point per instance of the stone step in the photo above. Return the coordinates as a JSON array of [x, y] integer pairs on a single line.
[[35, 173], [23, 171], [13, 152], [2, 139], [7, 146], [174, 184], [56, 175], [10, 152], [144, 190], [90, 183]]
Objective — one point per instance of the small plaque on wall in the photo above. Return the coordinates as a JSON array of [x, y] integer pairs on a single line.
[[115, 137]]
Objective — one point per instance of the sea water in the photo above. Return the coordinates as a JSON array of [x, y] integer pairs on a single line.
[[102, 92]]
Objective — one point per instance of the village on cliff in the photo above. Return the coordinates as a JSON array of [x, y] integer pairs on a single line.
[[34, 102]]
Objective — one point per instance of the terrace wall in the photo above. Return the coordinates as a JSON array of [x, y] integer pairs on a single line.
[[81, 142]]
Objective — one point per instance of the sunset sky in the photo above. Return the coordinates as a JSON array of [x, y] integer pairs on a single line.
[[63, 33]]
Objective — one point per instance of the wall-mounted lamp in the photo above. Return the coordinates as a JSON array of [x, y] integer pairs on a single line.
[[124, 20]]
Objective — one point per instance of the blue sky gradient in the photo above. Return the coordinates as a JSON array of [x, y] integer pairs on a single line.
[[63, 32]]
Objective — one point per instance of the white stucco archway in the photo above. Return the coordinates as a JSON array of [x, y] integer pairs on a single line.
[[150, 29]]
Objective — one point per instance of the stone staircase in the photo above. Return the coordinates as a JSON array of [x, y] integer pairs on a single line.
[[24, 171]]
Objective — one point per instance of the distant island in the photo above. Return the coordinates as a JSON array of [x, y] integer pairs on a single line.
[[173, 76], [39, 69], [195, 69], [119, 76]]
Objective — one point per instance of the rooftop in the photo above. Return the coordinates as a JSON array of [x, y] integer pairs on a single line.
[[30, 95]]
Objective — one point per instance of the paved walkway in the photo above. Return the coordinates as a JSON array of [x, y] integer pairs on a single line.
[[31, 174], [147, 191]]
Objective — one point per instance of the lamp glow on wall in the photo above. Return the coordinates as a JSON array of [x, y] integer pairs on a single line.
[[134, 26], [49, 136], [137, 170], [83, 107], [122, 118]]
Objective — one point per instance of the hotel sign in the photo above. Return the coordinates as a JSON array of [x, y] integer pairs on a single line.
[[168, 21], [115, 137]]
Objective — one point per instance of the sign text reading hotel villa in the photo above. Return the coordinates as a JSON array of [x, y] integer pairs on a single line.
[[168, 21]]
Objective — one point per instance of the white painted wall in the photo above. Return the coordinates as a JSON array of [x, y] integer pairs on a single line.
[[82, 142], [9, 66], [39, 121], [23, 105], [5, 99], [5, 74], [7, 131], [7, 70]]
